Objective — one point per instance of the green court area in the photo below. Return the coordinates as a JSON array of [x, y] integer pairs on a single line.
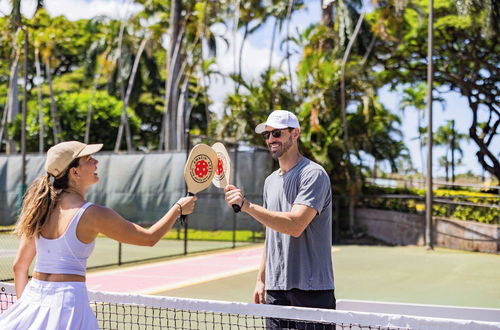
[[397, 274], [108, 252]]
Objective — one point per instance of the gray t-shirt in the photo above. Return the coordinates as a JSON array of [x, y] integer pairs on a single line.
[[304, 262]]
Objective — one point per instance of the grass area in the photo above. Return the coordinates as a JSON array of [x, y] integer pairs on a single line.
[[217, 235], [194, 234]]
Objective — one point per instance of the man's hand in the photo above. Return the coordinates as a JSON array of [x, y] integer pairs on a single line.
[[234, 195], [259, 295]]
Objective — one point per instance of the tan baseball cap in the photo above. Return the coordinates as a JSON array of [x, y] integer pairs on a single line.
[[62, 154]]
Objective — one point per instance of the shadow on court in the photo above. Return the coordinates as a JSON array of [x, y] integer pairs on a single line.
[[397, 274]]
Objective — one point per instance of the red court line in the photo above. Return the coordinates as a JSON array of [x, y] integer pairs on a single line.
[[162, 276]]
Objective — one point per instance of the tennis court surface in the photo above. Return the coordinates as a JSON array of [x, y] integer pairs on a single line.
[[129, 311], [360, 271], [161, 276]]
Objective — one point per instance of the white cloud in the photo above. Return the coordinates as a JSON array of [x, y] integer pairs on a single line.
[[255, 61], [255, 52], [77, 9]]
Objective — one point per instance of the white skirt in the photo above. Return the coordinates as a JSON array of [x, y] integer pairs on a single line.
[[50, 305]]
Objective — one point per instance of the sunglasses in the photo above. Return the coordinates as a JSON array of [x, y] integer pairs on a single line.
[[275, 132]]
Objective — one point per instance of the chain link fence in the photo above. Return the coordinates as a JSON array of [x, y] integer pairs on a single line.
[[142, 187]]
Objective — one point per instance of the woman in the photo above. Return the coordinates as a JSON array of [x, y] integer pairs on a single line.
[[60, 226]]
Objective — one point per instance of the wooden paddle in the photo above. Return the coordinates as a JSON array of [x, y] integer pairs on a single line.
[[222, 175], [199, 169]]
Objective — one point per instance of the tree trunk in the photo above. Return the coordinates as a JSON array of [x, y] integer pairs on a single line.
[[240, 57], [53, 110], [352, 184], [446, 167], [3, 123], [453, 151], [270, 65], [124, 117], [90, 109], [185, 109], [289, 65], [326, 44], [41, 134], [174, 60], [421, 145], [271, 50], [22, 187], [485, 157], [12, 103]]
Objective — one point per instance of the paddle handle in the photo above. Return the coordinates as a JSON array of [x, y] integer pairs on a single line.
[[236, 208], [184, 216]]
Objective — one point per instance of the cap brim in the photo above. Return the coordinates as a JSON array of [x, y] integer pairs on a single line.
[[262, 127], [90, 149]]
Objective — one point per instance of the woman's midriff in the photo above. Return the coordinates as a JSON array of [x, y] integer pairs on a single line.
[[58, 277]]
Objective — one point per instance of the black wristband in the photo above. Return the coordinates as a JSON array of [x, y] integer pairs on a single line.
[[180, 206]]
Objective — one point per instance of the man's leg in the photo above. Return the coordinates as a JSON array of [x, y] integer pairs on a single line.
[[314, 299], [276, 297]]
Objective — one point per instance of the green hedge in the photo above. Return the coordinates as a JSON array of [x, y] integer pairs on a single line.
[[413, 201]]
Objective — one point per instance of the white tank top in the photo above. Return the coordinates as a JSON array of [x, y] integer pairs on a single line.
[[65, 254]]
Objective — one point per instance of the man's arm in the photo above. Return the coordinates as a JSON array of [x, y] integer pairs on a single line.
[[292, 223], [259, 295]]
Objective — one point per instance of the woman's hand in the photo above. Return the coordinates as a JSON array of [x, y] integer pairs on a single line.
[[187, 204]]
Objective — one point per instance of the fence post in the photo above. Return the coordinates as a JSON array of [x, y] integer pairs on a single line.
[[188, 146], [119, 253], [235, 176]]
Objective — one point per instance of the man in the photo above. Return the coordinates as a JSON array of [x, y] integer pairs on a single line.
[[296, 267]]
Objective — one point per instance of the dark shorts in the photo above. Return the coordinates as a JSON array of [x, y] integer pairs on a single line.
[[300, 298]]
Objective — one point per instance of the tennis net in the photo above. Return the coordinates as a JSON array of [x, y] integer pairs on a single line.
[[131, 311]]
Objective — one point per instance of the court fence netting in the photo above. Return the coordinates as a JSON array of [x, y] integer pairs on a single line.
[[142, 187], [131, 311]]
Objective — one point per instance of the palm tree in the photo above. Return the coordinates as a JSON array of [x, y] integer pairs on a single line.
[[41, 132], [185, 61], [124, 124], [12, 107], [247, 14], [56, 126], [100, 61], [415, 97], [448, 137]]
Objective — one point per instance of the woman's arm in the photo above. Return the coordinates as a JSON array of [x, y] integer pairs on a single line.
[[106, 221], [25, 255]]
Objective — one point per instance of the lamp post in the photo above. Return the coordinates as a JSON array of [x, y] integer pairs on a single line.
[[429, 194]]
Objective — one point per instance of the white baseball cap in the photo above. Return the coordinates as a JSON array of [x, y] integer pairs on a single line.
[[279, 119]]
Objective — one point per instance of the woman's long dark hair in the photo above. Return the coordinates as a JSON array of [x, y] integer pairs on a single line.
[[39, 201]]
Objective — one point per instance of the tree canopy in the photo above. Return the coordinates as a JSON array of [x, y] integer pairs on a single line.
[[146, 77]]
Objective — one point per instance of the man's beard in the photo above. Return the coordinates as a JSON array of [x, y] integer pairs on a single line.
[[283, 147]]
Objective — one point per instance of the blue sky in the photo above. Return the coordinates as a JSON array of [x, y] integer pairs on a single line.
[[456, 107], [255, 61]]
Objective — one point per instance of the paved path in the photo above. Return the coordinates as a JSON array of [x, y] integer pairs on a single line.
[[166, 275]]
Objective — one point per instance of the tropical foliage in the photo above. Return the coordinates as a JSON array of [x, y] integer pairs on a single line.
[[452, 204], [139, 82]]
